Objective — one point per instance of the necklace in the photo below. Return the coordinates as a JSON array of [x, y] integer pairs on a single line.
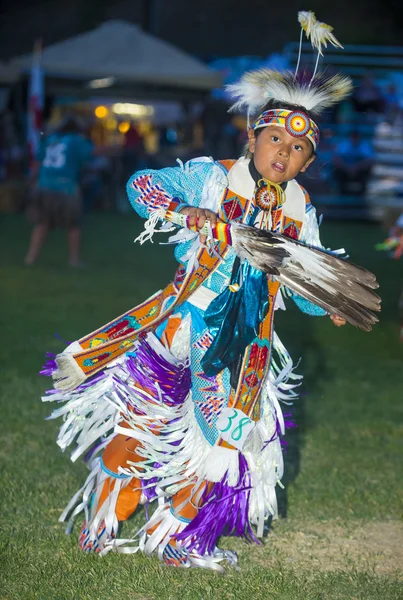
[[268, 195]]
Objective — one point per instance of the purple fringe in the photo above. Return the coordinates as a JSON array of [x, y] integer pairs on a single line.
[[149, 492], [225, 512], [50, 365], [87, 384], [89, 454], [147, 368], [288, 424]]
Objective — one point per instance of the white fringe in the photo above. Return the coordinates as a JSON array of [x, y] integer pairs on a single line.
[[169, 525], [310, 230], [218, 462], [179, 464], [96, 515], [213, 188], [266, 465], [180, 346], [96, 413], [89, 414], [150, 226]]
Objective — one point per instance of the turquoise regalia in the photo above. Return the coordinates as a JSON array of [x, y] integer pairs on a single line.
[[190, 405]]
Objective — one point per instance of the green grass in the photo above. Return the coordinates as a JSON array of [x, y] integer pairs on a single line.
[[343, 463]]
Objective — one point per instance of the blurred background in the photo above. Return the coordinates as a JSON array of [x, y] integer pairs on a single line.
[[145, 80]]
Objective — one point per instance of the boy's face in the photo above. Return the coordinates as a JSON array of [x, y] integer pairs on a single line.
[[278, 156]]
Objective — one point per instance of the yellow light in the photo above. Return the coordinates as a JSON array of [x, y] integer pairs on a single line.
[[134, 110], [111, 124], [101, 112], [144, 128], [124, 127]]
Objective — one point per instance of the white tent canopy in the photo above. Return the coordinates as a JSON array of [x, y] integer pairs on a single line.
[[123, 52]]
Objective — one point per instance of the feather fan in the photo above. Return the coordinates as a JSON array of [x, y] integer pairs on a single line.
[[336, 285]]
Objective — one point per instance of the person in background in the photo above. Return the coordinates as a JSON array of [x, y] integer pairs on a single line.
[[95, 181], [368, 97], [57, 200], [133, 150], [392, 102], [3, 169], [394, 246], [352, 164]]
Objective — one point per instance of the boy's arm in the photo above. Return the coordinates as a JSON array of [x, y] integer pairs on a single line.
[[155, 191]]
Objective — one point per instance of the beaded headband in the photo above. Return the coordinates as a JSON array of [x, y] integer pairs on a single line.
[[295, 122]]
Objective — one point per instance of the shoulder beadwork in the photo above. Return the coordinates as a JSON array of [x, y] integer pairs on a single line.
[[308, 204], [227, 164]]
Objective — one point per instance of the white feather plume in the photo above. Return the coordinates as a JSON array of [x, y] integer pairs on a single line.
[[321, 33], [307, 20], [256, 88]]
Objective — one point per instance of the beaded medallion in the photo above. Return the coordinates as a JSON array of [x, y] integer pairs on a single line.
[[268, 196]]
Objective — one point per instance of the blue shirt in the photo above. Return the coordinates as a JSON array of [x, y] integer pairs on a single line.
[[62, 157]]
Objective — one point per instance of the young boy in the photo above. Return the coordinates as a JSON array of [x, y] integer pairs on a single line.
[[190, 412]]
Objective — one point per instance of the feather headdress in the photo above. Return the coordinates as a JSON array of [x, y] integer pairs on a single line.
[[256, 88], [314, 93]]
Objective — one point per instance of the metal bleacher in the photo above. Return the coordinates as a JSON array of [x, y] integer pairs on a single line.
[[385, 188], [354, 60]]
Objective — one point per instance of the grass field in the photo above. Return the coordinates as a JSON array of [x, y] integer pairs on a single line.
[[341, 531]]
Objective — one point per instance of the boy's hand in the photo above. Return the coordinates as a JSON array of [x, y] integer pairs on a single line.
[[338, 321], [198, 217]]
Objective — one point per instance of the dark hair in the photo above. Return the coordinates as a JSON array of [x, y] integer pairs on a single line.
[[276, 104], [69, 124]]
